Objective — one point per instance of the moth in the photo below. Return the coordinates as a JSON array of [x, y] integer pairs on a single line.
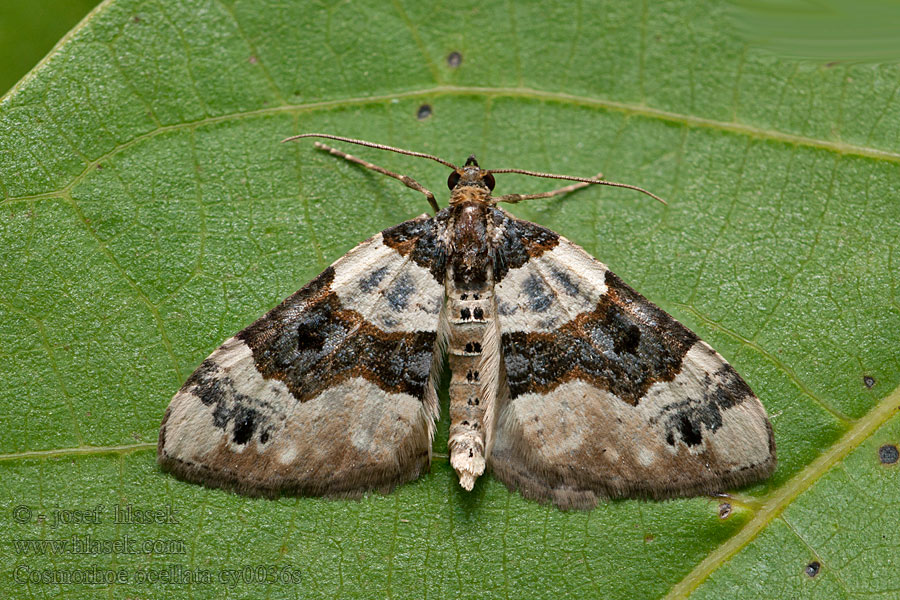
[[566, 383]]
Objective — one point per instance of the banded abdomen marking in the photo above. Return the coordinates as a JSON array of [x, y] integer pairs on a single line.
[[474, 361]]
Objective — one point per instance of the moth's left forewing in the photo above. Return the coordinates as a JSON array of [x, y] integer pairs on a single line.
[[331, 392], [609, 396]]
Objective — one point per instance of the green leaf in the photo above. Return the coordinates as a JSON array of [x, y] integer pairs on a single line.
[[149, 211]]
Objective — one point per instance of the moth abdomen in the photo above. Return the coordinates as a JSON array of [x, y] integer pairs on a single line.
[[467, 310]]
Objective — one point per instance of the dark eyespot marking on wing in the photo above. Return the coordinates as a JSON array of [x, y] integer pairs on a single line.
[[701, 410], [568, 286], [244, 425], [371, 280], [400, 292], [228, 404], [539, 296]]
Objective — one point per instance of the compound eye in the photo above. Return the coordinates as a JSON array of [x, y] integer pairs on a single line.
[[489, 181], [453, 180]]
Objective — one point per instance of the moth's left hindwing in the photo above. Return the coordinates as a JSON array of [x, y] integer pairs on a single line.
[[330, 393], [608, 395]]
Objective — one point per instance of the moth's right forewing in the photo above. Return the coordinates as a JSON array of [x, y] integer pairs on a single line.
[[609, 396]]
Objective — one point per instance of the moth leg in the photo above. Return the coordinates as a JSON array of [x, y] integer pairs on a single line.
[[406, 179], [513, 198]]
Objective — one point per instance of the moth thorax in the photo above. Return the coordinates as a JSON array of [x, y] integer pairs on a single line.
[[470, 193]]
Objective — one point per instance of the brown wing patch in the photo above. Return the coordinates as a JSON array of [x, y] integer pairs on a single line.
[[325, 344], [419, 239], [516, 241], [624, 346]]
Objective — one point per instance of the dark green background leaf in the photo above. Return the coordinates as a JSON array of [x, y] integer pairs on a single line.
[[30, 28], [149, 211]]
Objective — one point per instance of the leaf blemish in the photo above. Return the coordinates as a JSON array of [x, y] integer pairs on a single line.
[[724, 510], [812, 569], [888, 454]]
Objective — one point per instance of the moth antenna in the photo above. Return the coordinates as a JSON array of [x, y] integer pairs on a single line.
[[446, 163], [582, 179]]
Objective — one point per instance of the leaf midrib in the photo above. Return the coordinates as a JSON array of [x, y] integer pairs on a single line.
[[77, 451], [491, 93]]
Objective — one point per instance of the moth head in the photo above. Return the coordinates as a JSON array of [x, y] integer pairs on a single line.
[[470, 182]]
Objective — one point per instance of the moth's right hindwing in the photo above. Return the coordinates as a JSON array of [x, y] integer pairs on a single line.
[[330, 393]]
